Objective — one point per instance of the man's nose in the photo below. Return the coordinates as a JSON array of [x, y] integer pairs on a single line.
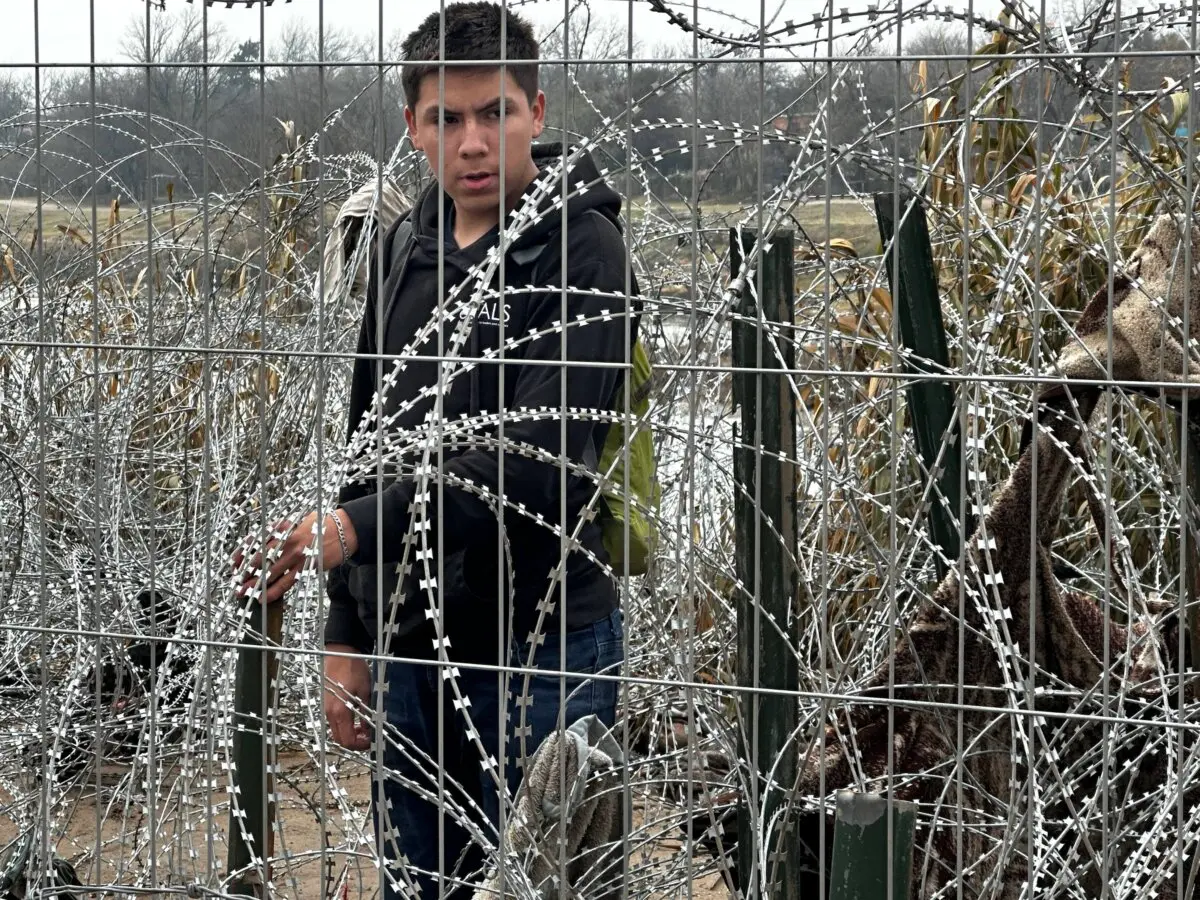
[[474, 142]]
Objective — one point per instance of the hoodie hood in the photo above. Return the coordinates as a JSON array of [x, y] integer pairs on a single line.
[[586, 189]]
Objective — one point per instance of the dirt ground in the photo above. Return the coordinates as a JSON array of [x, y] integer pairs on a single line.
[[111, 841]]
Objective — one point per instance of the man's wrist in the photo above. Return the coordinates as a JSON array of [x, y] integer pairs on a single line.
[[344, 534], [351, 534]]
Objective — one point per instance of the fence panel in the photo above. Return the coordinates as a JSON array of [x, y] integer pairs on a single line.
[[924, 276]]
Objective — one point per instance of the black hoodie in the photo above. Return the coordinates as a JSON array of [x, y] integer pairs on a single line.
[[465, 529]]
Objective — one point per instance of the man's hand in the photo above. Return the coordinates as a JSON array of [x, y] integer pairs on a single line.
[[286, 556], [351, 672]]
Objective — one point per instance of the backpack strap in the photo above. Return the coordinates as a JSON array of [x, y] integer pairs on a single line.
[[401, 238], [590, 457], [530, 254], [533, 254], [523, 257]]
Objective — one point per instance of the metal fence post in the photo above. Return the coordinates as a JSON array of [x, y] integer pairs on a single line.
[[253, 781], [1189, 553], [765, 537], [872, 831], [913, 282]]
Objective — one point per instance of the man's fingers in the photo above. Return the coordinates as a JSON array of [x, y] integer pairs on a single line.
[[239, 555], [250, 541], [346, 728], [341, 725], [281, 575], [362, 735], [280, 587]]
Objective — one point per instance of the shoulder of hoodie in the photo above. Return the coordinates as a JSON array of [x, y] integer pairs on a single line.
[[594, 245]]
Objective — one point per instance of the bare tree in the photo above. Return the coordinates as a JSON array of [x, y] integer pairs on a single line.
[[941, 39], [16, 95], [209, 72], [368, 102]]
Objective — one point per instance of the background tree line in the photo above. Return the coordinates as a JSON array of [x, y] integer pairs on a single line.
[[234, 103]]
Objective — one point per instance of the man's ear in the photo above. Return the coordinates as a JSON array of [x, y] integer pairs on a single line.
[[539, 113], [411, 121]]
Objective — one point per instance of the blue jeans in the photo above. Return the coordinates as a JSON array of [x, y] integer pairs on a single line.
[[421, 830]]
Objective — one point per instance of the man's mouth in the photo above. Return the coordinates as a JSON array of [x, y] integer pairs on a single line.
[[479, 180]]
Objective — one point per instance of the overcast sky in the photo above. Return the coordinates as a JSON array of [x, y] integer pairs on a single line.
[[65, 26]]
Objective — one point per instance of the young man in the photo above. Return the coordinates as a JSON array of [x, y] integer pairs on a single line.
[[454, 116]]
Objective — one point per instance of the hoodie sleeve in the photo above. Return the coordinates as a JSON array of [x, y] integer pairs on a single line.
[[343, 625], [596, 333]]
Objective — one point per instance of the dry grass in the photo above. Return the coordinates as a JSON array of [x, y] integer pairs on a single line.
[[20, 219], [190, 845], [176, 223], [847, 220]]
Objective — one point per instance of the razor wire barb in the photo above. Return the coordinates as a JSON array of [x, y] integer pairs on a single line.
[[1027, 223]]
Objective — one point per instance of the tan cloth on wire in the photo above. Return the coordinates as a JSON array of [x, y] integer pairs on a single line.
[[588, 819], [348, 271]]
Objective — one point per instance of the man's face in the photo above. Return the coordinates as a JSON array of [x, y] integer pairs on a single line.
[[471, 137]]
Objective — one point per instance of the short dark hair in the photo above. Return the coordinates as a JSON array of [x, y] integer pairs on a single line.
[[472, 32]]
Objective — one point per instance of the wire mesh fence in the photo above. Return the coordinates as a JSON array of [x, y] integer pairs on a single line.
[[899, 516]]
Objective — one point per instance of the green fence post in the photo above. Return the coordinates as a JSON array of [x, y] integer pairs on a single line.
[[870, 832], [254, 784], [1188, 549], [918, 307], [765, 561]]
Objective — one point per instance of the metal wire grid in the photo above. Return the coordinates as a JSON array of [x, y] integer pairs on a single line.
[[175, 374]]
